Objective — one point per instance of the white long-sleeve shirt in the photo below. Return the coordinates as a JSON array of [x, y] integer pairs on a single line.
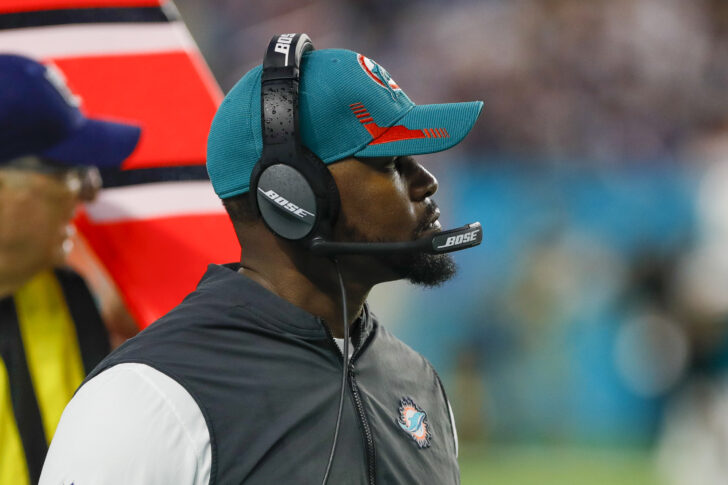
[[130, 424]]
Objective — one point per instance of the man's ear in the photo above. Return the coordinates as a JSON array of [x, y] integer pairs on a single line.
[[240, 208]]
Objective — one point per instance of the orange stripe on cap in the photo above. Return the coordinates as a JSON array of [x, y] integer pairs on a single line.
[[395, 133], [386, 134]]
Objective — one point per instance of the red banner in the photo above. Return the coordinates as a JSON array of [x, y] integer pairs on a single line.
[[130, 61], [166, 93], [9, 6]]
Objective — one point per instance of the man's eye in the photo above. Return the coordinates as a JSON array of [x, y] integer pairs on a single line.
[[392, 165], [384, 164]]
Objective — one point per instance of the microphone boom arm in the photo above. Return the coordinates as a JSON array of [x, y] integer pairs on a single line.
[[448, 241]]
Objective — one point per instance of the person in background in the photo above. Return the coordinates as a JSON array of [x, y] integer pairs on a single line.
[[51, 334]]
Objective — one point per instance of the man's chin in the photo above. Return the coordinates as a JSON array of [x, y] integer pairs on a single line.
[[424, 269], [417, 267]]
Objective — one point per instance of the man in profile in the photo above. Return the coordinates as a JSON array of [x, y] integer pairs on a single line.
[[51, 334]]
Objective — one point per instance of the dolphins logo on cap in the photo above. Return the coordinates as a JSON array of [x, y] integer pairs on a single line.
[[379, 75]]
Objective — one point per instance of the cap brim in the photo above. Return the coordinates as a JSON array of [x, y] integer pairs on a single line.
[[425, 129], [97, 143]]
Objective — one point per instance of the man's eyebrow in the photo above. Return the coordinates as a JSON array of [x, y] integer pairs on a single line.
[[387, 159], [376, 160]]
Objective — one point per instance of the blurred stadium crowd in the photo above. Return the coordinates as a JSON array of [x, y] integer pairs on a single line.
[[596, 311], [605, 80]]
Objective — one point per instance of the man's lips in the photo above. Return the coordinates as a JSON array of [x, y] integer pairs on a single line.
[[431, 223]]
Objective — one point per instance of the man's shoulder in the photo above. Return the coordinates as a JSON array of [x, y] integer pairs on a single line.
[[394, 346], [130, 413], [212, 320]]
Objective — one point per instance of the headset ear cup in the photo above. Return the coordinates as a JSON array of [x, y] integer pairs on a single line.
[[326, 187], [311, 176], [287, 202]]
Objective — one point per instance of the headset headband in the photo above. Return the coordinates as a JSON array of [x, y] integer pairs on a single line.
[[279, 98]]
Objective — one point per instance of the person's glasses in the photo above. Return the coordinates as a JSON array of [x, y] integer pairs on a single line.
[[83, 183]]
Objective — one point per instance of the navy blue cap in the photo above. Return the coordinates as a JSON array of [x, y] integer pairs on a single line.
[[40, 116]]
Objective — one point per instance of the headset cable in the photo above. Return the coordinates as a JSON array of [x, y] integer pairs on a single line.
[[344, 372]]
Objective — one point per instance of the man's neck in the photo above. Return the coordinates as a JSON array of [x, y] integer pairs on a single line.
[[320, 297]]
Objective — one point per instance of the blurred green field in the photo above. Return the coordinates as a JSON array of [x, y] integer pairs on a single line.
[[541, 465]]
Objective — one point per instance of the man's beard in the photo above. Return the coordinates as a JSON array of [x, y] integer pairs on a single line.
[[417, 267], [422, 268]]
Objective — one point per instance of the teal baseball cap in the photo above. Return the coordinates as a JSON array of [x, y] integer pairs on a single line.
[[348, 106]]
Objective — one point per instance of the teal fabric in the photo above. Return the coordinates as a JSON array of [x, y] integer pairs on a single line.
[[336, 86]]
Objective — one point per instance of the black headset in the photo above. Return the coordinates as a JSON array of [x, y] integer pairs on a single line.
[[294, 191]]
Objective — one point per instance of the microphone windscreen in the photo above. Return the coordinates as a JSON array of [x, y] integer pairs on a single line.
[[457, 239]]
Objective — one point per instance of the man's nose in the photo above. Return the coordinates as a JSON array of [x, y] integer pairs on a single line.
[[422, 183]]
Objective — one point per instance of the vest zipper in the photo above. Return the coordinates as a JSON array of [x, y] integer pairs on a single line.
[[369, 439], [365, 424]]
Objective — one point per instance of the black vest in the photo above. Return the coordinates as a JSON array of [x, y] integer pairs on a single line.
[[266, 376]]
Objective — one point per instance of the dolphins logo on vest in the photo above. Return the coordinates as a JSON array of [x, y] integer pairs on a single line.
[[413, 421]]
